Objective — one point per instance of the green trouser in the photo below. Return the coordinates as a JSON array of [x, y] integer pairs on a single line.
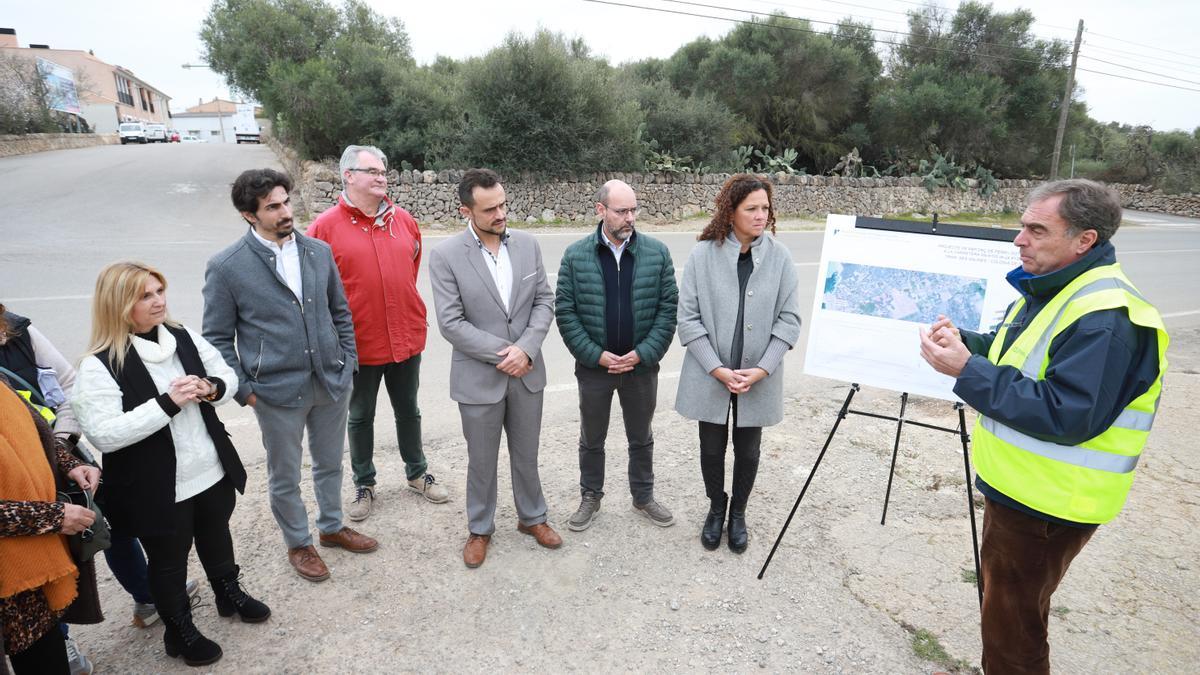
[[402, 380]]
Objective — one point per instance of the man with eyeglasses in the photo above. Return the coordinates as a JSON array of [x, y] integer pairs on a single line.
[[615, 304], [377, 248], [494, 306]]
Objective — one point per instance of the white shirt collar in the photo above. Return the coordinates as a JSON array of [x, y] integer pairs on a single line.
[[291, 239]]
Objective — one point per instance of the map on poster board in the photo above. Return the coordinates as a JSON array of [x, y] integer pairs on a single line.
[[879, 282]]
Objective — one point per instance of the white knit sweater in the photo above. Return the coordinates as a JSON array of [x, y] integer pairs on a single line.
[[97, 405]]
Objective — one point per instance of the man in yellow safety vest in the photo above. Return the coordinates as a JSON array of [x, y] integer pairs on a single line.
[[1066, 389]]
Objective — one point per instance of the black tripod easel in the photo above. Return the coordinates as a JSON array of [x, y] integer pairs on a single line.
[[961, 431]]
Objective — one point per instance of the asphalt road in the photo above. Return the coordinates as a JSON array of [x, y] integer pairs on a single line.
[[65, 214]]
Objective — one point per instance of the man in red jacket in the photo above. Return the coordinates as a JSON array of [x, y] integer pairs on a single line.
[[377, 247]]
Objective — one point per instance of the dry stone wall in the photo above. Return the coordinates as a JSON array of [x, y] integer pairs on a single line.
[[430, 196], [25, 144]]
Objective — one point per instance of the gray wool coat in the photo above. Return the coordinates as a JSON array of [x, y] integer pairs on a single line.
[[708, 306], [274, 345]]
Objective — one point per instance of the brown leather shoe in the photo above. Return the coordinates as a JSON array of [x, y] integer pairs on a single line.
[[307, 563], [350, 540], [545, 535], [476, 549]]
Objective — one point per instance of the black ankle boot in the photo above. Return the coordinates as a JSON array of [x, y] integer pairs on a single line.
[[738, 536], [181, 638], [231, 597], [710, 536]]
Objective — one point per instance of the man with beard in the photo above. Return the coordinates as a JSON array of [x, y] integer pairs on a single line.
[[494, 306], [616, 304], [275, 309]]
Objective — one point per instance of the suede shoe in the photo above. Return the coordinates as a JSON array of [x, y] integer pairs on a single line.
[[428, 486], [307, 563], [543, 533], [657, 513], [350, 540], [145, 614], [364, 499], [582, 519], [476, 549]]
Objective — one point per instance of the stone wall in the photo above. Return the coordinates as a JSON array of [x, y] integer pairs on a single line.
[[25, 144], [431, 195]]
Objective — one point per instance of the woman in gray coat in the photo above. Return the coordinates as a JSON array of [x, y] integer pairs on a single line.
[[738, 316]]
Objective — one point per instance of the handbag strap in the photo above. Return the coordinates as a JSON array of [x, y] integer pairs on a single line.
[[17, 379]]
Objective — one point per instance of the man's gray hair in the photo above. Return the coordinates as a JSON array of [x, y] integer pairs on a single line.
[[602, 195], [350, 157], [1086, 205]]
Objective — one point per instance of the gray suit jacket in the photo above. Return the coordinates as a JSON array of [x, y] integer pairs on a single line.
[[275, 345], [471, 316]]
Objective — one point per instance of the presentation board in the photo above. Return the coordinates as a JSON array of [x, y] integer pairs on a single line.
[[881, 281]]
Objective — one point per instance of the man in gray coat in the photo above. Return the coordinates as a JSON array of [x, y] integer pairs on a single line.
[[275, 309], [494, 306]]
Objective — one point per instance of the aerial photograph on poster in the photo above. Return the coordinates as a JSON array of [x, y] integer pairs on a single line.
[[879, 284]]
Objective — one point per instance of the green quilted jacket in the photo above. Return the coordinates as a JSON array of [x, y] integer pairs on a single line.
[[579, 300]]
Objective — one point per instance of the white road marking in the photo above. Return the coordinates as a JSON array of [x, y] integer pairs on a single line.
[[49, 298], [1173, 315], [555, 388], [1172, 250]]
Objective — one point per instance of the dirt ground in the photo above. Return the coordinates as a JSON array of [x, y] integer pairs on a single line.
[[843, 594]]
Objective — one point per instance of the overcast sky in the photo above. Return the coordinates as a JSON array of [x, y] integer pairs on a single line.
[[154, 39]]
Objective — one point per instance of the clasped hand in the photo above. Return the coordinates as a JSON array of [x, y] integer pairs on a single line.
[[514, 362], [189, 389], [943, 349], [619, 364], [739, 381]]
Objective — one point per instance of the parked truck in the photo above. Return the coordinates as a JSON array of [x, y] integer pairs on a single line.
[[245, 127]]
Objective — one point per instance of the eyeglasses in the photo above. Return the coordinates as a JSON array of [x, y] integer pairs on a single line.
[[631, 211], [373, 173]]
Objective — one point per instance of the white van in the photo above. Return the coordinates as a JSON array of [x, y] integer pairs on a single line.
[[157, 133], [132, 132]]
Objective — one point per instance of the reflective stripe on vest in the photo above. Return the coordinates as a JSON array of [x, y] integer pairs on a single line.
[[46, 413], [1087, 482]]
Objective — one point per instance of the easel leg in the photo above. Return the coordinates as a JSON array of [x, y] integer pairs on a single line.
[[962, 430], [841, 416], [895, 450]]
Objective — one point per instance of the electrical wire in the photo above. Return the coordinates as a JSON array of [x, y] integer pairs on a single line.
[[1138, 70], [1138, 44], [887, 42]]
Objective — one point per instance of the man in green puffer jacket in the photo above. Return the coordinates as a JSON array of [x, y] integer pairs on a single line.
[[615, 305]]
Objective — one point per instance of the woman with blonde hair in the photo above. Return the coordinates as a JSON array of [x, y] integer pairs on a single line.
[[145, 397], [738, 316]]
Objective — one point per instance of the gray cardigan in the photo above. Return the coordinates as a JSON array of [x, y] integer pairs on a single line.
[[708, 305], [274, 345]]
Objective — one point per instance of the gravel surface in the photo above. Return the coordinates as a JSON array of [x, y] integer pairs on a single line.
[[843, 594]]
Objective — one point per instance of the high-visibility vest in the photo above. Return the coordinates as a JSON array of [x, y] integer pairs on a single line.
[[1085, 483], [46, 412]]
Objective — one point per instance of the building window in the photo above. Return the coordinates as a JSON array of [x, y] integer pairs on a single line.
[[215, 133], [124, 93], [142, 95]]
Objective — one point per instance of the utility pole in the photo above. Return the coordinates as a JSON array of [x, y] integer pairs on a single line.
[[1065, 108]]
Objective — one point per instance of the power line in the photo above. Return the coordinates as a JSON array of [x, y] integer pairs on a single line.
[[875, 40], [1143, 59], [1138, 70], [1138, 44], [1134, 79], [832, 23]]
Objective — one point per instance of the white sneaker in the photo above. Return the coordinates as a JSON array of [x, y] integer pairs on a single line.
[[76, 660], [428, 486], [145, 614], [360, 508]]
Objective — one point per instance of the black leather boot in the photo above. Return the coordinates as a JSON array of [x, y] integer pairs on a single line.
[[710, 536], [181, 638], [231, 597], [738, 536]]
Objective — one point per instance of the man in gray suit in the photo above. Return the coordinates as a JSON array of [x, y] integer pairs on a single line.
[[494, 306], [275, 309]]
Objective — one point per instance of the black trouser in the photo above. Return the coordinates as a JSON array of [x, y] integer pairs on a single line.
[[638, 394], [205, 519], [746, 441], [46, 656]]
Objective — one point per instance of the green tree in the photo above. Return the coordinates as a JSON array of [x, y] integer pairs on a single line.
[[980, 87], [540, 104], [797, 88]]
